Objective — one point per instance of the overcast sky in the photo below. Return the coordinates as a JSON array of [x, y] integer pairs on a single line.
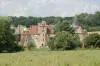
[[47, 7]]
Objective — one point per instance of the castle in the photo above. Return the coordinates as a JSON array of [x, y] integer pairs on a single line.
[[40, 33], [37, 33]]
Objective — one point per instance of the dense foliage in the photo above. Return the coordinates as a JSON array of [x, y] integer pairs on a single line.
[[8, 41], [63, 41], [27, 21], [93, 40], [91, 22], [64, 37], [63, 26]]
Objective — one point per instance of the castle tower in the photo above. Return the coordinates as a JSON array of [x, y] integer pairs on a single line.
[[80, 32], [82, 35], [25, 37], [42, 31]]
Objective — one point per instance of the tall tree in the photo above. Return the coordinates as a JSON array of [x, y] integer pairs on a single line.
[[63, 26], [7, 39], [63, 41], [64, 37]]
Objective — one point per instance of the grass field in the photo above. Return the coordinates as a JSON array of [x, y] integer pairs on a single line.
[[51, 58]]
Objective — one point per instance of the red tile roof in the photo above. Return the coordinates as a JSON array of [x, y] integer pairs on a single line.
[[33, 29]]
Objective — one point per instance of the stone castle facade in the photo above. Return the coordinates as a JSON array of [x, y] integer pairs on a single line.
[[37, 33]]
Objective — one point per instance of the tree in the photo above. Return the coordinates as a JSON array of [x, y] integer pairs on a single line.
[[63, 41], [31, 44], [7, 38], [90, 20], [93, 40], [64, 37], [51, 43], [63, 26]]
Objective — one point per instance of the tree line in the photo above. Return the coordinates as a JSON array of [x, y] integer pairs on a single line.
[[27, 21], [91, 22]]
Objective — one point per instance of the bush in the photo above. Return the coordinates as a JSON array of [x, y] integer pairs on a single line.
[[51, 43], [31, 44], [63, 41], [14, 48], [18, 48], [75, 43], [93, 40]]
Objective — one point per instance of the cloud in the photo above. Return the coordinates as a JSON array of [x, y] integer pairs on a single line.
[[47, 7]]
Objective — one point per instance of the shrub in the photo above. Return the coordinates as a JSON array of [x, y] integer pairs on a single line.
[[31, 44], [63, 41], [51, 43], [93, 40], [18, 48]]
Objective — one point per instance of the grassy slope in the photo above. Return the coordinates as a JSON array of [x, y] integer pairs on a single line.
[[51, 58]]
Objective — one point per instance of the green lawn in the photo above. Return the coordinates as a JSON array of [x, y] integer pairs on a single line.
[[51, 58]]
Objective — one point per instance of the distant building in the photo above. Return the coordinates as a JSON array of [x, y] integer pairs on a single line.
[[82, 33], [39, 33]]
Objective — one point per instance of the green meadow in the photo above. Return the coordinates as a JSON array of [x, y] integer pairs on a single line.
[[51, 58]]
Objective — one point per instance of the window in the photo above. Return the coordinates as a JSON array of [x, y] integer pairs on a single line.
[[43, 34], [42, 44], [43, 27], [43, 39], [42, 30]]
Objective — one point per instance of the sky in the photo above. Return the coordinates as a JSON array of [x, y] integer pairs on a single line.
[[44, 8]]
